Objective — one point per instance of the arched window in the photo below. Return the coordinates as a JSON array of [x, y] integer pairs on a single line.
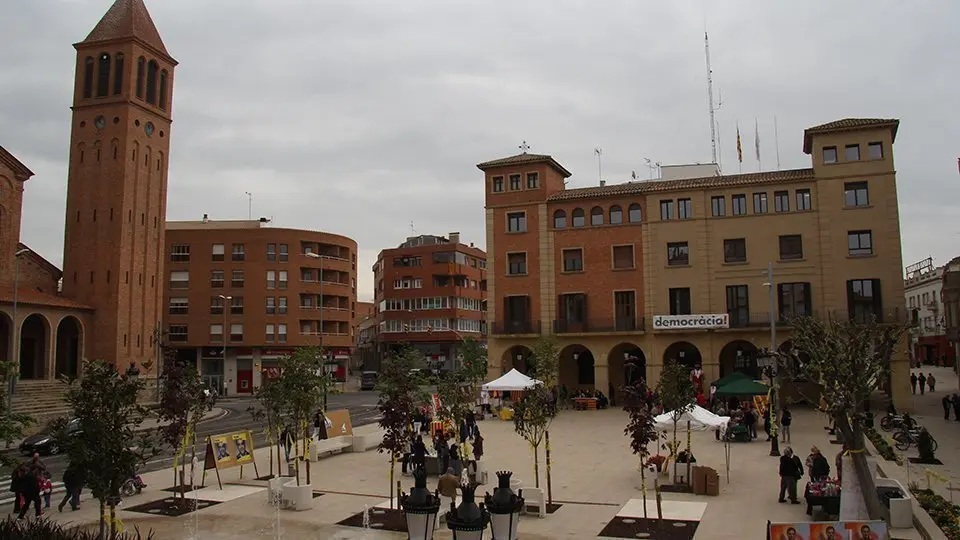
[[596, 216], [579, 218], [163, 89], [88, 78], [616, 214], [141, 73], [152, 69], [118, 74], [635, 215], [559, 219], [103, 75]]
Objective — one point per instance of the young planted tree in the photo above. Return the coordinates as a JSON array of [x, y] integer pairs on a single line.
[[109, 446], [849, 361], [270, 397], [677, 396], [459, 388], [640, 429], [531, 420], [12, 425], [546, 365], [302, 385], [182, 405], [400, 393]]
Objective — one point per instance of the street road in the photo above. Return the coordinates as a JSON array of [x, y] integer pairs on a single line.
[[362, 407]]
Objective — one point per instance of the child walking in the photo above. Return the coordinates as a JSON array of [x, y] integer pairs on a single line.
[[46, 488]]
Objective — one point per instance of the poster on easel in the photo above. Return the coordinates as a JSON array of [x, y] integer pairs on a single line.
[[226, 451]]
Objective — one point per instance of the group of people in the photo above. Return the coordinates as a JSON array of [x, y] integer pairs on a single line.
[[447, 447], [288, 436], [923, 381], [31, 483], [792, 470]]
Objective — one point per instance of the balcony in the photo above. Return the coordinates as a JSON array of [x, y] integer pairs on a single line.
[[762, 319], [624, 324], [508, 328]]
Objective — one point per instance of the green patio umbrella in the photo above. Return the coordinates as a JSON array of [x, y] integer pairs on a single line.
[[743, 387], [727, 379]]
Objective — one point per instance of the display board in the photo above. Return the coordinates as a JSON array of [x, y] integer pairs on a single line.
[[339, 423], [829, 530], [229, 450]]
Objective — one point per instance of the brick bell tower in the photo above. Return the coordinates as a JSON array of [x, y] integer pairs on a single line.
[[117, 183]]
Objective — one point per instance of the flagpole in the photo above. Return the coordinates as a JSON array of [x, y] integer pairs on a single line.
[[756, 142], [776, 140], [739, 149]]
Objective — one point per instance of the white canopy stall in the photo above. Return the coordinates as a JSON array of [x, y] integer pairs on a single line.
[[695, 418], [512, 381]]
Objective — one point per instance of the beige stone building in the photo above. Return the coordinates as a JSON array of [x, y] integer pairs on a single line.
[[644, 271]]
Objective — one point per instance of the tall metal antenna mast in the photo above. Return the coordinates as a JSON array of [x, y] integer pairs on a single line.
[[249, 205], [713, 110], [599, 152]]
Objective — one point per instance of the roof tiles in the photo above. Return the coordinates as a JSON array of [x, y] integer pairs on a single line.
[[127, 19], [524, 158], [848, 124]]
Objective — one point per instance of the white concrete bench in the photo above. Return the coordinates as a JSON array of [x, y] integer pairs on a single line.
[[367, 438], [328, 447], [534, 497]]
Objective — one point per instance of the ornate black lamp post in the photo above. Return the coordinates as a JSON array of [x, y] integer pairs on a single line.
[[504, 507], [420, 508], [467, 521]]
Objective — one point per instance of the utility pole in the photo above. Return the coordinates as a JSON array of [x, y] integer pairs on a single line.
[[12, 383], [774, 366]]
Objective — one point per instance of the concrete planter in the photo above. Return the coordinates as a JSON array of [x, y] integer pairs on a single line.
[[298, 498], [901, 510]]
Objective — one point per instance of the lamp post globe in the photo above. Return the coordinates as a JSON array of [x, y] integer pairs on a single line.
[[467, 521], [420, 508], [504, 507]]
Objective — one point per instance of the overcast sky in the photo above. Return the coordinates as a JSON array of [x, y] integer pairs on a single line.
[[360, 117]]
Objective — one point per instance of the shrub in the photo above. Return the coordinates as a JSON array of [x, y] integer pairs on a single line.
[[883, 447], [44, 529], [944, 513]]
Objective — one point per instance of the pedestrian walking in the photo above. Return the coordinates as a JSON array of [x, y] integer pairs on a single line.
[[46, 489], [73, 479], [766, 423], [931, 382], [15, 486], [30, 491], [913, 383], [791, 469], [946, 401], [477, 445], [922, 379], [956, 407], [286, 439], [785, 420]]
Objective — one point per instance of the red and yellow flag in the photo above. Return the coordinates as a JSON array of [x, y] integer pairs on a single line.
[[739, 148]]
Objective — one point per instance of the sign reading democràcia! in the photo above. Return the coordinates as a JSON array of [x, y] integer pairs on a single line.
[[706, 321]]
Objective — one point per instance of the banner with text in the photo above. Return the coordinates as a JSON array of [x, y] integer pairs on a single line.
[[706, 321]]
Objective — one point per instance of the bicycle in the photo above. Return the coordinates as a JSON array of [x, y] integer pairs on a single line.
[[906, 438], [892, 422]]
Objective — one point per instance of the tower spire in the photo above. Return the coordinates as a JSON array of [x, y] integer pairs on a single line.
[[127, 19]]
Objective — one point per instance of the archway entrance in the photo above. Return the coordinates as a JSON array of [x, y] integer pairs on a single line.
[[739, 355], [626, 365], [68, 347], [576, 368], [6, 330], [520, 358], [685, 353], [34, 333]]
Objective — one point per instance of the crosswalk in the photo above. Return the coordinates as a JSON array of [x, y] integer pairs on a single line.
[[7, 498]]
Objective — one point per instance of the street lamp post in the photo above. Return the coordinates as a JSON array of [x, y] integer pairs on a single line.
[[420, 508], [323, 355], [225, 300], [12, 382], [775, 366], [504, 507], [468, 520]]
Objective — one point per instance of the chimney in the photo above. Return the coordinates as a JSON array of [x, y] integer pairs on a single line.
[[454, 238], [206, 218], [603, 183]]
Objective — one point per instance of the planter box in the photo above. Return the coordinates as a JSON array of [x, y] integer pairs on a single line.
[[901, 510], [298, 498]]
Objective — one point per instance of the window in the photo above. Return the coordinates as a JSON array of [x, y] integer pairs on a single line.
[[88, 78], [875, 150], [735, 250], [497, 184], [282, 305], [282, 279], [781, 201], [680, 301], [856, 194], [141, 65], [863, 300], [677, 254], [573, 310], [236, 332], [103, 75], [794, 300], [791, 247], [180, 279], [623, 257], [738, 306], [238, 254], [860, 243], [573, 260], [180, 253], [516, 222], [271, 305], [516, 314], [635, 214], [579, 218], [666, 210], [739, 204], [152, 68], [625, 310], [163, 89], [616, 215], [759, 203], [684, 209], [271, 279], [533, 180], [514, 182], [830, 154], [216, 333], [284, 252], [718, 206], [270, 333], [179, 306], [559, 219], [236, 279], [596, 216], [216, 279], [803, 199], [216, 305], [852, 152], [516, 264], [217, 253], [282, 333], [177, 333], [236, 305], [118, 74], [271, 252]]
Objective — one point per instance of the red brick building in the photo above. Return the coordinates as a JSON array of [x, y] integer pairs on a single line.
[[430, 292], [268, 289]]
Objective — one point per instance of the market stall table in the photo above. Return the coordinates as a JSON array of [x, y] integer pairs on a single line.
[[826, 495], [585, 403]]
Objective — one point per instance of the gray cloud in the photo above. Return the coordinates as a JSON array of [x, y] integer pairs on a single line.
[[361, 116]]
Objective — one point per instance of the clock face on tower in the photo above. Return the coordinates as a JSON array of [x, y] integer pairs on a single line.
[[148, 129], [99, 122]]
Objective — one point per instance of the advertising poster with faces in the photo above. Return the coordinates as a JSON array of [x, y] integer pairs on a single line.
[[830, 530], [232, 449]]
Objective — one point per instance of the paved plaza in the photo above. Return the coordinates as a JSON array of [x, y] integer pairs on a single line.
[[595, 478]]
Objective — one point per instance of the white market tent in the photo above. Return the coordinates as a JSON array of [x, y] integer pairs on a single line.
[[699, 419], [512, 381]]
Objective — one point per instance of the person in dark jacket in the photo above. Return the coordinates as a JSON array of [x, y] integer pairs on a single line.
[[477, 445], [791, 469], [287, 439], [956, 407], [73, 479], [419, 451], [785, 420], [15, 485], [913, 382], [819, 466], [922, 383], [766, 423], [946, 406], [30, 490], [750, 419]]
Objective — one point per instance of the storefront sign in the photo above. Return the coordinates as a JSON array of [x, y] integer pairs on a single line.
[[708, 321]]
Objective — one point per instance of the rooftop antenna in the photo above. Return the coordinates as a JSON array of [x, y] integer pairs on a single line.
[[651, 166], [633, 174], [599, 152], [524, 147], [249, 205], [713, 109], [413, 230]]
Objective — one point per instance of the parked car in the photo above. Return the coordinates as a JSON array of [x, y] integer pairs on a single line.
[[48, 441], [368, 380]]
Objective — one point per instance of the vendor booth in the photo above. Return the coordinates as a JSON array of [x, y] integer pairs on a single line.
[[510, 382], [694, 418]]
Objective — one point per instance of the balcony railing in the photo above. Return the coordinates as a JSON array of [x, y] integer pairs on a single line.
[[624, 324], [506, 328], [762, 320]]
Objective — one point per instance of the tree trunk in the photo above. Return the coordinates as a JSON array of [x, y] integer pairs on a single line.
[[113, 521], [643, 487], [549, 483], [853, 436], [103, 521], [393, 464], [306, 450], [270, 436], [536, 465], [193, 456]]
